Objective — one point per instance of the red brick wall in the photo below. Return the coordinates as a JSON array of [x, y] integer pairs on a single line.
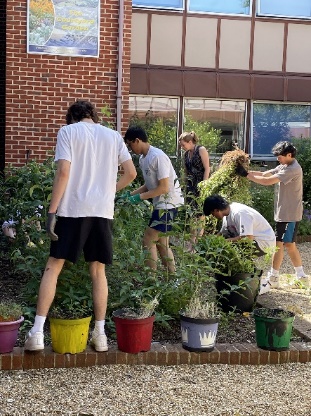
[[2, 81], [39, 88]]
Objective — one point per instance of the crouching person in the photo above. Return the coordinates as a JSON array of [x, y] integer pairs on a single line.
[[240, 221]]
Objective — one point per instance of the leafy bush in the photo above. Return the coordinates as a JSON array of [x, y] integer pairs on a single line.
[[263, 201], [303, 157]]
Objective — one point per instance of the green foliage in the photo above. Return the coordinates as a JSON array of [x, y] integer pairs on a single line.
[[161, 132], [305, 223], [303, 156], [10, 311], [74, 291], [25, 194], [263, 201], [199, 306], [228, 258], [226, 183], [208, 136]]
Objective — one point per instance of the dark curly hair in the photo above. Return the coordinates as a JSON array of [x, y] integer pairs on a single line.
[[283, 149], [79, 110]]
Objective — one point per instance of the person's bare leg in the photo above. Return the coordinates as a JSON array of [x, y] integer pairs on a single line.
[[100, 297], [48, 285], [294, 254], [150, 240], [100, 289], [278, 256], [166, 254]]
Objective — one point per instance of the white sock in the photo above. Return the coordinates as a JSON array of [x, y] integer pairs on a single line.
[[299, 271], [100, 327], [38, 324]]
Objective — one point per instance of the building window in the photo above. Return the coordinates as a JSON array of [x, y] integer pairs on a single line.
[[158, 116], [221, 6], [162, 4], [224, 116], [285, 8], [275, 122]]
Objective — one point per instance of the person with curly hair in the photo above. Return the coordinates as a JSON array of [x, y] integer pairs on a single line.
[[81, 210]]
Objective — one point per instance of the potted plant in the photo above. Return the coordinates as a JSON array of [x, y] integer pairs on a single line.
[[199, 323], [273, 328], [134, 326], [71, 312], [236, 270], [10, 321]]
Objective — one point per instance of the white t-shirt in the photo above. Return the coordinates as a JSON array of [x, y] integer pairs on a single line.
[[95, 152], [156, 165], [244, 220]]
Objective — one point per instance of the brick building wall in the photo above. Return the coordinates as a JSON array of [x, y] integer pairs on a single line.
[[39, 88], [2, 81]]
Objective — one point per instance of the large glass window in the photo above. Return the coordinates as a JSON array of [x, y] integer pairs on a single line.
[[288, 8], [158, 116], [171, 4], [276, 122], [226, 118], [221, 6]]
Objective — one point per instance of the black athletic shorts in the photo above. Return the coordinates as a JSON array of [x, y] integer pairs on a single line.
[[92, 235]]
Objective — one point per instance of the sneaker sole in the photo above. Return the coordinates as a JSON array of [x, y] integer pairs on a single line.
[[98, 349], [36, 348]]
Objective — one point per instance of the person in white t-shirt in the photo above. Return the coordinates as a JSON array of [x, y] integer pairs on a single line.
[[240, 221], [88, 156], [162, 186]]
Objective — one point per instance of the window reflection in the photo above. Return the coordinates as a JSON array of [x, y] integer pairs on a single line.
[[158, 116], [276, 122], [220, 6], [297, 8], [224, 115]]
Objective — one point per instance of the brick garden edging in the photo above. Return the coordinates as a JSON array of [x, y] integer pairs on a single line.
[[167, 354], [160, 354]]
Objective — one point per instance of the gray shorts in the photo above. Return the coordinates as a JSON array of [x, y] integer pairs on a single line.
[[92, 235]]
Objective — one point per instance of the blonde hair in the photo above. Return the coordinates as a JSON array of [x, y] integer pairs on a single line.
[[187, 137]]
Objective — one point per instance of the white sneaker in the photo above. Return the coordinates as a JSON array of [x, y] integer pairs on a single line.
[[34, 342], [99, 342], [265, 286], [274, 281], [302, 281]]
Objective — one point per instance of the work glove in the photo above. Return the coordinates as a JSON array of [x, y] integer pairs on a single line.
[[50, 226], [241, 171], [134, 199], [124, 196]]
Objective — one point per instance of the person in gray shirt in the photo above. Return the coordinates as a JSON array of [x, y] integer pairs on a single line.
[[288, 209]]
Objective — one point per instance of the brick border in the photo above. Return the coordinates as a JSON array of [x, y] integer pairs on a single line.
[[160, 354]]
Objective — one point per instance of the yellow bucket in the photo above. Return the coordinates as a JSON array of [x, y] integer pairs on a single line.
[[69, 335]]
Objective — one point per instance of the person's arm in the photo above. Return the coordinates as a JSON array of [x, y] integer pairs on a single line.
[[205, 161], [59, 184], [128, 175], [161, 189], [263, 178]]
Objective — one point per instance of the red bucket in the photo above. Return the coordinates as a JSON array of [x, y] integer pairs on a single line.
[[133, 335]]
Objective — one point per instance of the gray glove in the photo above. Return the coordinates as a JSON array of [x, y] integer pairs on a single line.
[[50, 226]]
